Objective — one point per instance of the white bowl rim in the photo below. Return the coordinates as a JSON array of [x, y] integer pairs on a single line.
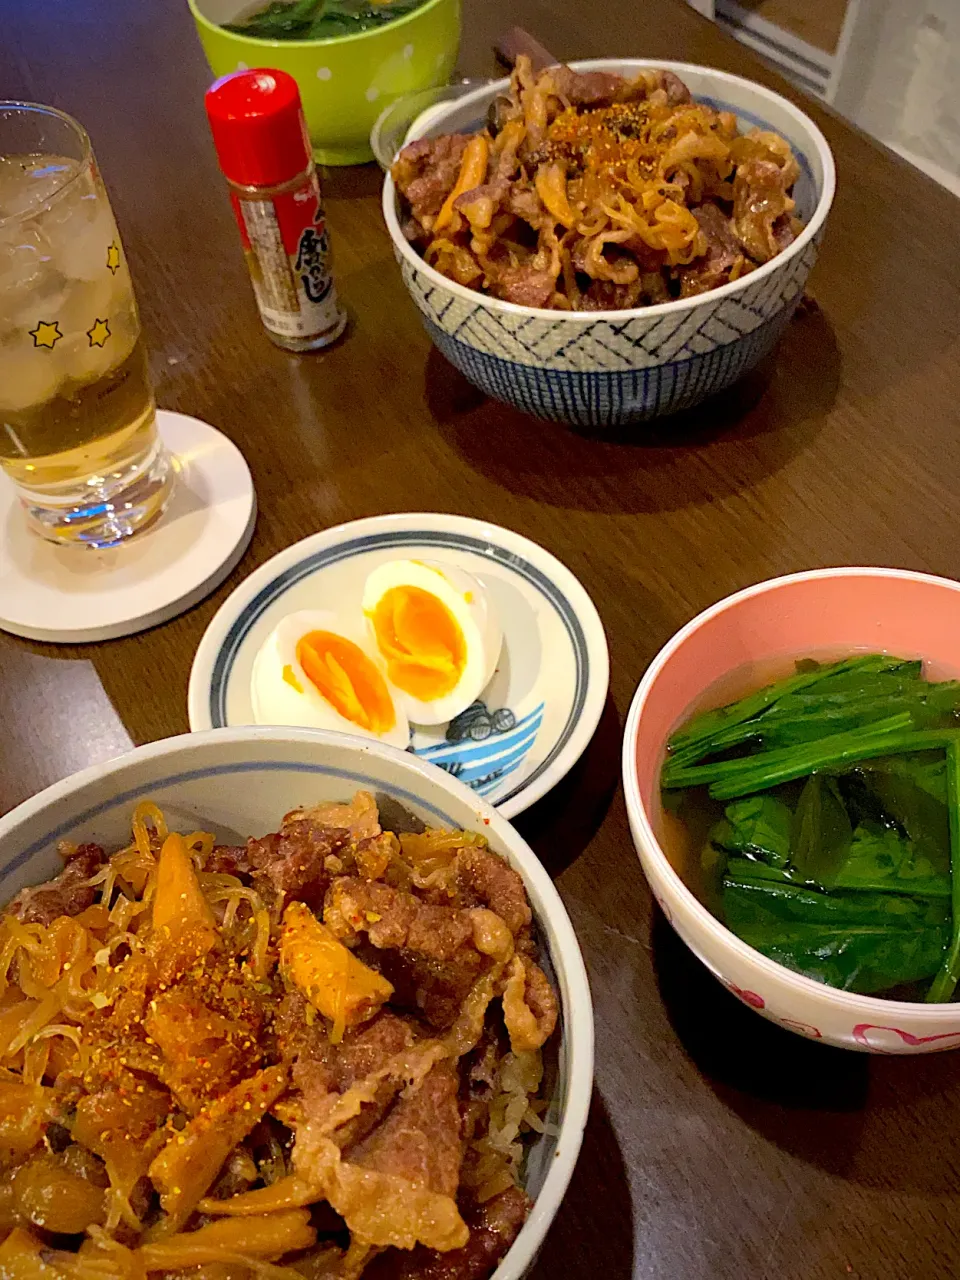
[[850, 1001], [577, 1014], [676, 306]]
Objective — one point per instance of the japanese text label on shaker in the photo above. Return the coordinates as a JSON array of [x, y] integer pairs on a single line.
[[264, 152]]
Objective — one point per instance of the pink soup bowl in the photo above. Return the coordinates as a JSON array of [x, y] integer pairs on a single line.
[[825, 611]]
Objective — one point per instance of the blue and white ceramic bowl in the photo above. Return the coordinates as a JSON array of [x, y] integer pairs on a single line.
[[240, 782], [610, 368]]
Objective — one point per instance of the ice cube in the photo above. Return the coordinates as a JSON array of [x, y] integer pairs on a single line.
[[77, 206], [83, 361], [25, 259], [82, 254], [85, 301], [28, 376], [28, 182]]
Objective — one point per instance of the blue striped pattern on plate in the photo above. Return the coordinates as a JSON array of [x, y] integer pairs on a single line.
[[484, 765]]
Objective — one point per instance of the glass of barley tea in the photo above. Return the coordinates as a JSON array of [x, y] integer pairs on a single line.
[[78, 431]]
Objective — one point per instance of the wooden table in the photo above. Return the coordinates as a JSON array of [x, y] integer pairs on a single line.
[[718, 1145]]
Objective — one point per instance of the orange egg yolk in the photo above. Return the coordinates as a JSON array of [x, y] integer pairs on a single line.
[[421, 641], [345, 676]]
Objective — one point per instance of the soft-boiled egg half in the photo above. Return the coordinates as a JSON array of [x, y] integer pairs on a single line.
[[438, 634], [317, 672]]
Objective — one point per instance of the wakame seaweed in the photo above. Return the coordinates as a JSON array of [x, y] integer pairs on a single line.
[[837, 846]]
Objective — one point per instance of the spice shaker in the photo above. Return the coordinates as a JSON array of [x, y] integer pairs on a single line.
[[264, 152]]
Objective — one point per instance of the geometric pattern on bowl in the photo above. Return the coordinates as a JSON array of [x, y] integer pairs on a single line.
[[606, 373]]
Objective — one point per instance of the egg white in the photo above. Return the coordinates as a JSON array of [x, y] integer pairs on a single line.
[[470, 604], [276, 701]]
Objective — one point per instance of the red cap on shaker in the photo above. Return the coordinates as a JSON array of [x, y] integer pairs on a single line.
[[258, 127]]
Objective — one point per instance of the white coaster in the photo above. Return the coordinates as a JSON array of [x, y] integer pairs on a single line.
[[76, 594]]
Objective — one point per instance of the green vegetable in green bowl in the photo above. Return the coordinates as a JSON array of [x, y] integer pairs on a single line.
[[319, 19]]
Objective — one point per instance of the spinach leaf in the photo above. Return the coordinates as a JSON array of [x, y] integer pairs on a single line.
[[714, 859], [819, 701], [856, 941], [852, 958], [732, 778], [758, 826], [742, 869], [749, 902], [945, 982], [279, 20], [915, 811], [702, 728], [881, 860], [319, 19], [820, 834], [344, 17]]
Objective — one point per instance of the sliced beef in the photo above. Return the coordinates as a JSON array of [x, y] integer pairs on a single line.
[[432, 989], [647, 259], [370, 1049], [712, 268], [68, 894], [360, 1055], [229, 860], [425, 172], [526, 286], [495, 192], [530, 1008], [676, 91], [604, 295], [484, 879], [523, 202], [587, 88], [785, 231], [371, 1114], [603, 88], [293, 861], [359, 817], [304, 1045], [392, 918], [760, 199], [420, 1138], [493, 1228]]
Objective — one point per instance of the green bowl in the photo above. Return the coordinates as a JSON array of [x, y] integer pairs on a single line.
[[346, 81]]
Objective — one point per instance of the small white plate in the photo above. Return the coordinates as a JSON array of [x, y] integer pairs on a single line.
[[536, 715], [77, 595]]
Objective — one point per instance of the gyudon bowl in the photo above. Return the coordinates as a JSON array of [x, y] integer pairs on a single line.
[[330, 1053], [733, 648], [606, 368]]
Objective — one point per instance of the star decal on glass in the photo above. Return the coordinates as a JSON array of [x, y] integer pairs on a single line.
[[46, 334], [98, 333], [113, 258]]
